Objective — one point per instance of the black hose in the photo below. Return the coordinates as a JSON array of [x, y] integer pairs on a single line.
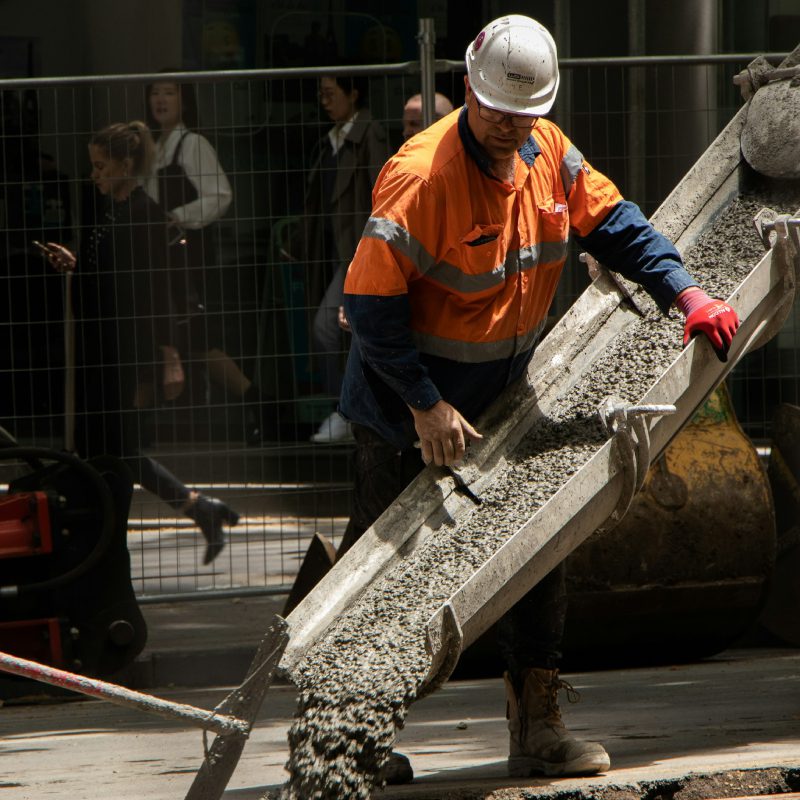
[[36, 455]]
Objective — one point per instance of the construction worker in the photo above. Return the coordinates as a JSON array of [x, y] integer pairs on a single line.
[[447, 295], [412, 113]]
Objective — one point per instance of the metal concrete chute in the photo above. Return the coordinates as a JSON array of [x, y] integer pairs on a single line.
[[600, 492], [599, 315], [604, 310], [433, 498]]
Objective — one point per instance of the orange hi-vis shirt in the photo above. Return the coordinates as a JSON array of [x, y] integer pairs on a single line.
[[451, 282], [479, 258]]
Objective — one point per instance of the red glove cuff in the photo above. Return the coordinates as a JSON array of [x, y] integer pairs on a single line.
[[692, 299]]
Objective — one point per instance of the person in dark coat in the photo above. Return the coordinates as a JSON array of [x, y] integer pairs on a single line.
[[124, 349], [344, 167]]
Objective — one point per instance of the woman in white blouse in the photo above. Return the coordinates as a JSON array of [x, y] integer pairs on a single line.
[[173, 114], [191, 186]]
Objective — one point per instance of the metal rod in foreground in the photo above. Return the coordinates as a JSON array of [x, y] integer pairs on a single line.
[[201, 718]]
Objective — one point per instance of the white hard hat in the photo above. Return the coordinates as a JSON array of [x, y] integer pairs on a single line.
[[513, 66]]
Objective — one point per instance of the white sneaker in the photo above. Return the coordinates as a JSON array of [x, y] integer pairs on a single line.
[[333, 429]]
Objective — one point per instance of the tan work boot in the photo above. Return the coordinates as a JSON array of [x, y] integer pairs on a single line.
[[539, 742]]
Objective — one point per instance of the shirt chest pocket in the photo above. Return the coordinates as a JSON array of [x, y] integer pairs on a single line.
[[553, 220], [482, 249]]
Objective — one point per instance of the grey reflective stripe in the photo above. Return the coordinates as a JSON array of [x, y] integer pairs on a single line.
[[552, 251], [476, 352], [570, 166], [542, 253], [399, 238], [528, 257], [464, 283], [450, 276]]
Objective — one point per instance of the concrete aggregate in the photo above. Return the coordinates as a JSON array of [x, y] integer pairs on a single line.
[[357, 682]]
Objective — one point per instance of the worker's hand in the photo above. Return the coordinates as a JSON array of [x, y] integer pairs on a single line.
[[173, 377], [343, 323], [443, 434], [61, 258], [714, 318]]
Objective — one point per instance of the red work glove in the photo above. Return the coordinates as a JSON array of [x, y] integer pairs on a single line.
[[715, 318]]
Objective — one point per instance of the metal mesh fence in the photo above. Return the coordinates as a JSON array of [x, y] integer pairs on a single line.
[[256, 386]]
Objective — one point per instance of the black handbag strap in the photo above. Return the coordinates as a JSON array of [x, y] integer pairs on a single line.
[[175, 188], [177, 150]]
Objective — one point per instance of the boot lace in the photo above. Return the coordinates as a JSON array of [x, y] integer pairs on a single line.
[[556, 685], [573, 695]]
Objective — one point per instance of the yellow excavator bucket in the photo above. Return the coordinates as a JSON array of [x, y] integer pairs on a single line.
[[684, 573]]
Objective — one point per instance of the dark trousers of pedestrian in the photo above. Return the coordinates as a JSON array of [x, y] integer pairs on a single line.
[[530, 633], [119, 433], [328, 339]]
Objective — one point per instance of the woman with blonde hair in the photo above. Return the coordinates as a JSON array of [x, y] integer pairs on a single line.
[[124, 349]]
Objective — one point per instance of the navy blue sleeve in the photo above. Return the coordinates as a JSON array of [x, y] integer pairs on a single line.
[[381, 327], [626, 242]]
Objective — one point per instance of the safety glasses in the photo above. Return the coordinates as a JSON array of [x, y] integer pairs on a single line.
[[498, 117]]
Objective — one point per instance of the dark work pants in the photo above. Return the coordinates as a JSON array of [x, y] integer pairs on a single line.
[[530, 634]]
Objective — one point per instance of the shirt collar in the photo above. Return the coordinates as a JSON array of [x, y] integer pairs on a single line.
[[173, 136], [337, 135], [527, 152], [178, 131]]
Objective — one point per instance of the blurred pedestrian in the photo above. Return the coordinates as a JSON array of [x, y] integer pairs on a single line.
[[189, 183], [124, 344], [412, 113], [345, 165]]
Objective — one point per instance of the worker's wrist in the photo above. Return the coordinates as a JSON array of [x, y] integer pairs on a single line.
[[417, 412], [691, 299], [422, 397]]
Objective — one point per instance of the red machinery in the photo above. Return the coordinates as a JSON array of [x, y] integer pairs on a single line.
[[66, 597]]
